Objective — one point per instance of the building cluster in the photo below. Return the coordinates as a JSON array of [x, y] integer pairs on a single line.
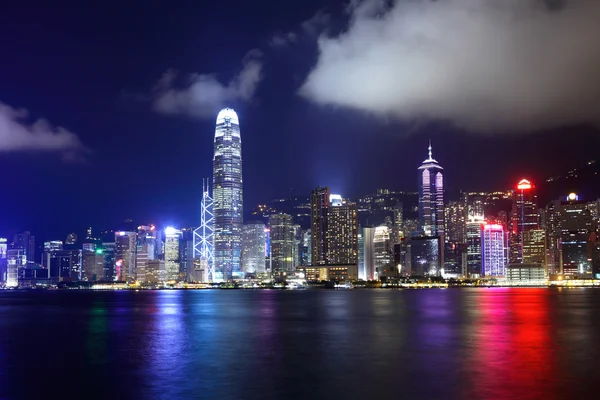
[[386, 236]]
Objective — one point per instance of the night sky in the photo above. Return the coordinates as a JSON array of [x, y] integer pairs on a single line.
[[138, 144]]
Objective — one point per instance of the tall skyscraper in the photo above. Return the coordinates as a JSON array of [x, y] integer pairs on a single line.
[[524, 217], [366, 266], [282, 243], [492, 250], [455, 220], [172, 260], [253, 247], [431, 197], [342, 232], [125, 249], [474, 224], [227, 195], [319, 205], [382, 254], [576, 225], [25, 242]]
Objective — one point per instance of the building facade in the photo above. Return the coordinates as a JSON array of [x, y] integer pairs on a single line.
[[253, 247], [492, 250], [431, 197], [172, 254], [319, 206], [282, 243], [228, 196]]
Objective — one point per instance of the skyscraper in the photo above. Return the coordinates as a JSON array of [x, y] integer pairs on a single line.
[[125, 249], [382, 255], [172, 260], [253, 247], [282, 243], [492, 250], [342, 232], [227, 195], [576, 225], [319, 205], [474, 224], [431, 197], [25, 242], [524, 217]]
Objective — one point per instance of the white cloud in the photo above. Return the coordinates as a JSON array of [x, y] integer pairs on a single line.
[[18, 134], [484, 65], [202, 95], [283, 39]]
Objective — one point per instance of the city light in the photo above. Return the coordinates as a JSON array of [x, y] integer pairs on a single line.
[[169, 230], [572, 197], [524, 184]]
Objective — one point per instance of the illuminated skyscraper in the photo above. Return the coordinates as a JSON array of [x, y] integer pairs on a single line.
[[431, 197], [227, 195], [455, 220], [382, 255], [342, 232], [253, 247], [172, 260], [492, 250], [474, 224], [282, 243], [319, 205], [125, 248], [524, 217]]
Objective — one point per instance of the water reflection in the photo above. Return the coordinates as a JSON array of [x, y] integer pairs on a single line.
[[510, 345]]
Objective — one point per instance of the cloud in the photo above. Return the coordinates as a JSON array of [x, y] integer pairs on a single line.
[[17, 134], [283, 39], [316, 23], [484, 65], [201, 95]]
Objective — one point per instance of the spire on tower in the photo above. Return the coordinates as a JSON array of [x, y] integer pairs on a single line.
[[430, 156]]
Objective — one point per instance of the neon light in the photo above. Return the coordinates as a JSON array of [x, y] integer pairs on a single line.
[[493, 227], [524, 184]]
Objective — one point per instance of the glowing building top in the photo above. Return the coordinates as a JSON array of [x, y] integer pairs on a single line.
[[431, 197]]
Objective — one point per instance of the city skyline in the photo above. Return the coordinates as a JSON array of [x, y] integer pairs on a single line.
[[139, 133]]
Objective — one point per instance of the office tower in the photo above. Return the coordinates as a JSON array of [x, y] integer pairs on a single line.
[[455, 259], [155, 272], [342, 232], [63, 264], [227, 195], [25, 242], [431, 197], [492, 250], [382, 254], [172, 260], [282, 243], [398, 222], [93, 264], [296, 249], [524, 217], [366, 257], [145, 250], [534, 247], [125, 248], [319, 206], [426, 256], [109, 252], [307, 244], [253, 247], [576, 224], [16, 258], [186, 253], [455, 220], [474, 246]]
